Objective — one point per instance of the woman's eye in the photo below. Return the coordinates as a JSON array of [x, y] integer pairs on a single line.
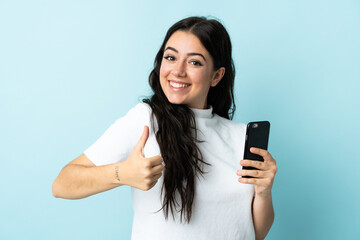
[[170, 58], [196, 63]]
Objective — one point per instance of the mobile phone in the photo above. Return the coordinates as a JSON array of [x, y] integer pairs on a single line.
[[257, 135]]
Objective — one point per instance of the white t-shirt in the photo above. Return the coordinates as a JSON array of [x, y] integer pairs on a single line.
[[222, 205]]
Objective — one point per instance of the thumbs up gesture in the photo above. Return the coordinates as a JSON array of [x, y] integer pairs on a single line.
[[143, 173]]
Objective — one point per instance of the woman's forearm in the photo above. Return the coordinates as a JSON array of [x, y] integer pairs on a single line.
[[263, 215], [79, 181]]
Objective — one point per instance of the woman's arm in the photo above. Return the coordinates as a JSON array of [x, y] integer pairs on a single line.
[[263, 178], [81, 178], [263, 215]]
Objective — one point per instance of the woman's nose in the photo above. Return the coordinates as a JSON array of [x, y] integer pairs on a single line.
[[179, 69]]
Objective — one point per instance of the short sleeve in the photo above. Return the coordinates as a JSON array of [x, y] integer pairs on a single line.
[[117, 142]]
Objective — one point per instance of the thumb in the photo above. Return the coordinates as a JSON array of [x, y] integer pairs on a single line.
[[142, 141]]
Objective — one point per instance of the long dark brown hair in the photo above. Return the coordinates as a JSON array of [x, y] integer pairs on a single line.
[[176, 134]]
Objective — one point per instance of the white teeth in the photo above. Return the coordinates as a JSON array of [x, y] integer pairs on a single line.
[[178, 85]]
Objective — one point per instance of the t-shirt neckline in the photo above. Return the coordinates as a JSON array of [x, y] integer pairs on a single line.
[[203, 113]]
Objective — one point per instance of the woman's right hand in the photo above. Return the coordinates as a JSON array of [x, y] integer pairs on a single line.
[[142, 173]]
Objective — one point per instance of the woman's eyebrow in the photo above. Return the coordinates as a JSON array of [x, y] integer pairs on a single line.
[[189, 54]]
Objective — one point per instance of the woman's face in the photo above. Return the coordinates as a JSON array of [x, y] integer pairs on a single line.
[[187, 71]]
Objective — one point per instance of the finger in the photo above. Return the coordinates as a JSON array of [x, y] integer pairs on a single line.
[[262, 152], [249, 180], [156, 177], [263, 182], [252, 173], [148, 186], [251, 163], [142, 141], [156, 160], [153, 184], [157, 169]]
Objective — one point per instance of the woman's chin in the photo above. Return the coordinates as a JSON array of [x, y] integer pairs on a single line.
[[176, 100]]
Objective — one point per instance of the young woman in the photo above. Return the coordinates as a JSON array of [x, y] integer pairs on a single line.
[[179, 150]]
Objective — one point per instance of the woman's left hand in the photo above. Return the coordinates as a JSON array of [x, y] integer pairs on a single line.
[[263, 176]]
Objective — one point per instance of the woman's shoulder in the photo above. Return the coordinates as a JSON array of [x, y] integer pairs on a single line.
[[140, 108], [138, 114], [230, 125]]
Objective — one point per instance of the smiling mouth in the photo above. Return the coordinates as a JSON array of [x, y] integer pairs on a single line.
[[178, 85]]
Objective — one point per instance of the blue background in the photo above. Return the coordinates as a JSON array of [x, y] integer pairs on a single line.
[[68, 69]]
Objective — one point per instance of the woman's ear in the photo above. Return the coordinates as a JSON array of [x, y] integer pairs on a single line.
[[218, 75]]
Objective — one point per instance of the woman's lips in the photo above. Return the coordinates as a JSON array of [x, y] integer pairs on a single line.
[[178, 85]]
